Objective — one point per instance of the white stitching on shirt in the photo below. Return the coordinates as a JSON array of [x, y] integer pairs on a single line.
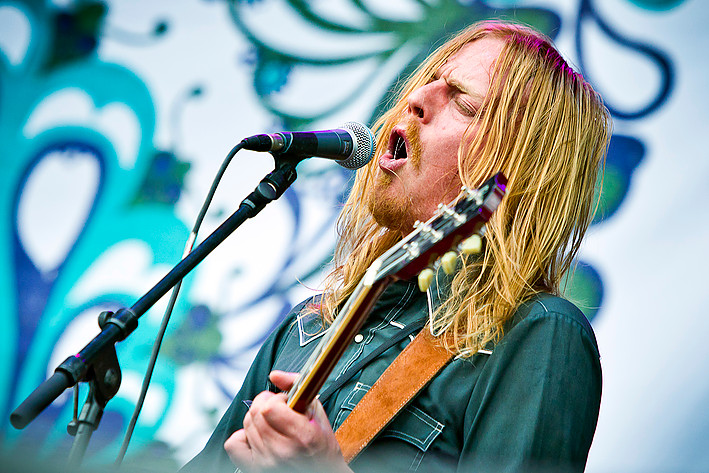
[[396, 310], [542, 304]]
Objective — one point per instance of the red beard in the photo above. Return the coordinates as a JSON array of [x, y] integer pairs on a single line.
[[395, 211]]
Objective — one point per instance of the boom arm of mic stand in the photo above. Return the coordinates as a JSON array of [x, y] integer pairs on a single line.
[[118, 326]]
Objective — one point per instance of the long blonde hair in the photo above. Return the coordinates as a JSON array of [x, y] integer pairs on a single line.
[[546, 129]]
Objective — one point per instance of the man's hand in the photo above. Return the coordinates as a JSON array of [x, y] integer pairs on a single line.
[[274, 434]]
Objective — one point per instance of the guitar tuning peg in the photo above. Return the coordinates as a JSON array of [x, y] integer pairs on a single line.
[[448, 262], [425, 279], [472, 245]]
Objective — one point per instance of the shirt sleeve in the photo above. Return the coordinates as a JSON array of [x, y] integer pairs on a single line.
[[536, 405]]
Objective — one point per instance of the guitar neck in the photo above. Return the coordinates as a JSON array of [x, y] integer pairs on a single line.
[[333, 344], [453, 226]]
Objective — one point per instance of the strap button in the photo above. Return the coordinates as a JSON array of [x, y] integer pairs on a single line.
[[358, 338]]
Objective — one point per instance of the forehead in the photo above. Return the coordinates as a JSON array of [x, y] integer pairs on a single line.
[[472, 64]]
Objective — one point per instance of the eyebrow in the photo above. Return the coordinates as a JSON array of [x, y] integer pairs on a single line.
[[454, 83]]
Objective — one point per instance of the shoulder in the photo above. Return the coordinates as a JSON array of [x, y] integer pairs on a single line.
[[547, 337], [537, 398], [301, 323], [549, 343], [548, 313], [301, 316], [295, 338], [290, 331]]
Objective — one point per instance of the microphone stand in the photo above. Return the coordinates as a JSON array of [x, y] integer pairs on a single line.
[[97, 362]]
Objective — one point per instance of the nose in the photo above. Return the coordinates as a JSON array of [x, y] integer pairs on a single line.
[[423, 101]]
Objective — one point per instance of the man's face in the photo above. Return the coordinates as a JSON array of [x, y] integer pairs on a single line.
[[420, 168]]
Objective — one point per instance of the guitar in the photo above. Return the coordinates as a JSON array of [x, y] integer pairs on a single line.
[[457, 225]]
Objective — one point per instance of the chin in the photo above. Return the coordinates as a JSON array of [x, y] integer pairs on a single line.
[[389, 211]]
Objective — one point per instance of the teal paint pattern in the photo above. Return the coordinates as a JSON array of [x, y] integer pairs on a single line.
[[124, 196], [120, 204]]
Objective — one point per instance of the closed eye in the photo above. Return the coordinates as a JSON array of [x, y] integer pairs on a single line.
[[461, 98], [464, 107]]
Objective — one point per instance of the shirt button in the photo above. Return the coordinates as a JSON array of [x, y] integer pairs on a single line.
[[358, 338]]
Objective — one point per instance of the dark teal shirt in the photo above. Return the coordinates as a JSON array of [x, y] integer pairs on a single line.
[[529, 404]]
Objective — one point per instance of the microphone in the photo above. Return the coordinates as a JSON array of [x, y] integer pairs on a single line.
[[351, 145]]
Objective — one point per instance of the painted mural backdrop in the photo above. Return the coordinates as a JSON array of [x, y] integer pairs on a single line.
[[114, 117]]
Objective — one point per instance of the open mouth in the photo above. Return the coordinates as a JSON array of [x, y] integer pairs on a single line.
[[399, 148]]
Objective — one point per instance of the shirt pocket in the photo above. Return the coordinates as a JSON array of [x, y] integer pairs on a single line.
[[411, 425]]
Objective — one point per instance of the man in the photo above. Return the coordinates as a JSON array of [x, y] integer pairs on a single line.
[[523, 390]]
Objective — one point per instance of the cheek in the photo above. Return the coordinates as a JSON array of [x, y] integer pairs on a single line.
[[447, 176], [446, 157]]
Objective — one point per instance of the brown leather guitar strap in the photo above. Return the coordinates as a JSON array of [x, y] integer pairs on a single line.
[[415, 366]]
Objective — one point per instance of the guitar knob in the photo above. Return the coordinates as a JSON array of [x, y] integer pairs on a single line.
[[472, 245], [425, 279], [448, 262]]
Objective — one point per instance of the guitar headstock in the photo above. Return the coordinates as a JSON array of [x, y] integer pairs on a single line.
[[456, 226]]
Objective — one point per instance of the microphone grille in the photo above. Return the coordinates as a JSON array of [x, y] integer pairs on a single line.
[[363, 149]]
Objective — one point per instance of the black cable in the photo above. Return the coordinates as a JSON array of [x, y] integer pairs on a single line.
[[171, 304]]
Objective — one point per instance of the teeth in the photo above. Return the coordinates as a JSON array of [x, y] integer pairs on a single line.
[[400, 146]]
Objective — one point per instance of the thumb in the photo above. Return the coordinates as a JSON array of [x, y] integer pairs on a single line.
[[282, 380]]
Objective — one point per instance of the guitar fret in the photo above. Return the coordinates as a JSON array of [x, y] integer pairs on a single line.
[[453, 222]]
